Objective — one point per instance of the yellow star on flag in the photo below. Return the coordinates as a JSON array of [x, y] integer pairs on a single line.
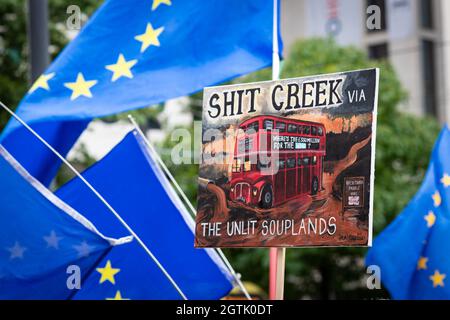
[[156, 3], [446, 180], [149, 37], [422, 263], [80, 87], [438, 279], [122, 68], [41, 82], [437, 199], [108, 273], [430, 218], [118, 296]]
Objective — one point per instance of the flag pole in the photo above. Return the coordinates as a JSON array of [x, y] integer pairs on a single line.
[[100, 197], [277, 256], [166, 170]]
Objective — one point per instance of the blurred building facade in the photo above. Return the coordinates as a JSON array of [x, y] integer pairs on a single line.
[[414, 35]]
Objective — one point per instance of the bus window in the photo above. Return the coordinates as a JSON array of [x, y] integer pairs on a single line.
[[292, 128], [306, 161], [236, 167], [314, 160], [263, 165], [314, 146], [314, 131], [281, 164], [306, 129], [247, 166], [268, 124], [319, 131], [299, 162], [281, 126], [291, 163], [245, 145], [254, 126]]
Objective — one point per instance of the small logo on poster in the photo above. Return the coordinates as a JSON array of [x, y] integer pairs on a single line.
[[354, 192]]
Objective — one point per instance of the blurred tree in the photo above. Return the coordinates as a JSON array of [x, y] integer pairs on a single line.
[[13, 55], [404, 143], [186, 173], [13, 44]]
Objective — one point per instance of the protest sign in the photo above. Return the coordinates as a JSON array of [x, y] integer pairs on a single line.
[[288, 163]]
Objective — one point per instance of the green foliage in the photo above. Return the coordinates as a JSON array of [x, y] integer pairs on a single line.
[[13, 70], [186, 173], [83, 161], [404, 145]]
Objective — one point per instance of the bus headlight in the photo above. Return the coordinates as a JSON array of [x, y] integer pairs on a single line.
[[232, 189], [255, 191]]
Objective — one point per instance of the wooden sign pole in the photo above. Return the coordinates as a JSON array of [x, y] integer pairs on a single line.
[[276, 273], [277, 256]]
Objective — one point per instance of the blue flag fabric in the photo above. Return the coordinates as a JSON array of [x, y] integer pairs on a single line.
[[132, 182], [40, 237], [412, 251], [132, 54]]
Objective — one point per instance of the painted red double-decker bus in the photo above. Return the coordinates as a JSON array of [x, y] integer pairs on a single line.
[[298, 168]]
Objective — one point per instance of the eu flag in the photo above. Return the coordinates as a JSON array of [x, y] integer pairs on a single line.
[[131, 181], [43, 241], [413, 251], [133, 54]]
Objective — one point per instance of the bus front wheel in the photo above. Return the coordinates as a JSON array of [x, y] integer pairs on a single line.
[[314, 186], [266, 197]]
